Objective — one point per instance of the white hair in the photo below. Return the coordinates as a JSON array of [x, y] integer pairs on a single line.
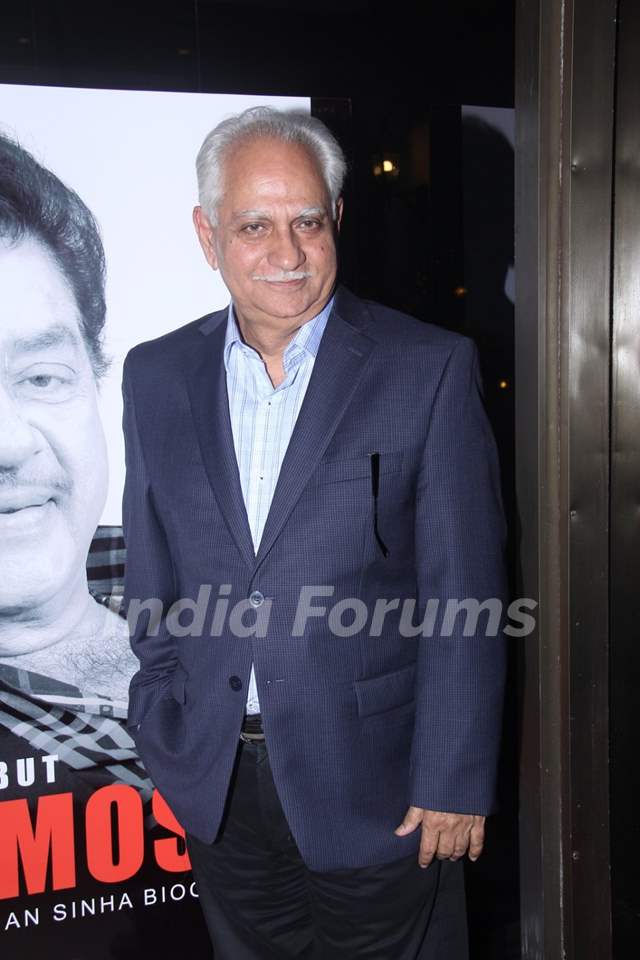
[[289, 126]]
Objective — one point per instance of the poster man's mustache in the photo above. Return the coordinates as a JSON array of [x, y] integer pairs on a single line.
[[14, 480]]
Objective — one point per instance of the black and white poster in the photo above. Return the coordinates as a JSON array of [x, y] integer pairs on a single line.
[[97, 253]]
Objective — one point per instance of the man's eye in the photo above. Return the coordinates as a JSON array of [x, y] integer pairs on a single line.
[[309, 224], [253, 229], [44, 380], [48, 385]]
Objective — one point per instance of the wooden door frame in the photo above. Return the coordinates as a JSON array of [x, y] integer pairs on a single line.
[[565, 70]]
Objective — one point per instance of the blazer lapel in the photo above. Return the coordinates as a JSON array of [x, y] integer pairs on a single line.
[[207, 386], [341, 360]]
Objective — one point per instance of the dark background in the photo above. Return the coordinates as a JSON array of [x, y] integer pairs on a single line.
[[434, 240]]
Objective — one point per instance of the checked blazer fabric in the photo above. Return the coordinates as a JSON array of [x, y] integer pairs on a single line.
[[359, 726]]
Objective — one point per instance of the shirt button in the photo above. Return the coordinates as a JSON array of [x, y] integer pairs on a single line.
[[235, 683], [256, 599]]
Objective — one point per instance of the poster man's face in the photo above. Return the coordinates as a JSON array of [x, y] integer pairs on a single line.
[[275, 239], [53, 466]]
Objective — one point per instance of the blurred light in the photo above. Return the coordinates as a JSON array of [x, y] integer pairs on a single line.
[[504, 384], [387, 165], [183, 51], [460, 291], [24, 41]]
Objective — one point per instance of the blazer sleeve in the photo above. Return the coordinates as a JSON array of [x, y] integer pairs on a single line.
[[460, 537], [149, 581]]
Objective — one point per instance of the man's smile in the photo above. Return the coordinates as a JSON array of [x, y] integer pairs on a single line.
[[25, 510], [287, 281], [17, 499]]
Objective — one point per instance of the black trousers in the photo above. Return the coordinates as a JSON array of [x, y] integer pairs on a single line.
[[261, 902]]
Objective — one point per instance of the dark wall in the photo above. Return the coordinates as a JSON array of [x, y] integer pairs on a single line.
[[456, 52]]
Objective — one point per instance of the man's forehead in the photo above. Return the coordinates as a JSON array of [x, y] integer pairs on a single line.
[[38, 309]]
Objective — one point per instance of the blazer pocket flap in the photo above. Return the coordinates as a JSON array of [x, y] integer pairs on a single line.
[[177, 686], [379, 694], [142, 698], [332, 471]]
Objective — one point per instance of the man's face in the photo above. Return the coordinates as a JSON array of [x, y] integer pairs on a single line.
[[274, 242], [53, 466]]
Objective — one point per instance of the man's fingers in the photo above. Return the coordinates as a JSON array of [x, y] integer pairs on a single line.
[[412, 820], [429, 843], [460, 847], [460, 844], [452, 843], [447, 836], [476, 840]]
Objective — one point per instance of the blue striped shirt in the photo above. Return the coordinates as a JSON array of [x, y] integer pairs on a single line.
[[263, 418]]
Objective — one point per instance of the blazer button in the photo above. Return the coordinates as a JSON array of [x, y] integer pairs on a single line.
[[256, 599], [235, 683]]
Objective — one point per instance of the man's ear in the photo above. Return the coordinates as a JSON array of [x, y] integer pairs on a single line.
[[339, 209], [206, 235]]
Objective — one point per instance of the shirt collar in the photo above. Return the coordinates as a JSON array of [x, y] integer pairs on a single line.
[[307, 338]]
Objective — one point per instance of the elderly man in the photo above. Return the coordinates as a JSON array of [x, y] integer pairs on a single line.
[[319, 464]]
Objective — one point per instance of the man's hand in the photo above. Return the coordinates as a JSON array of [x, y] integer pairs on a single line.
[[446, 836]]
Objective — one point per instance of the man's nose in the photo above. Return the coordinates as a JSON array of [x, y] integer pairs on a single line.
[[18, 439], [285, 251]]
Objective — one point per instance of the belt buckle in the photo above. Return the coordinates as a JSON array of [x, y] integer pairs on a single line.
[[251, 737]]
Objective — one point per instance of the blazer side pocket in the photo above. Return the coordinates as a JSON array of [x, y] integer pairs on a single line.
[[177, 686], [175, 689], [385, 692]]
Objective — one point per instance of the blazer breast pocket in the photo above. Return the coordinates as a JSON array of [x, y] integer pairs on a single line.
[[358, 468]]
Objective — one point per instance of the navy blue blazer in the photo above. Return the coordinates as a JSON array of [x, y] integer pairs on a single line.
[[358, 727]]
